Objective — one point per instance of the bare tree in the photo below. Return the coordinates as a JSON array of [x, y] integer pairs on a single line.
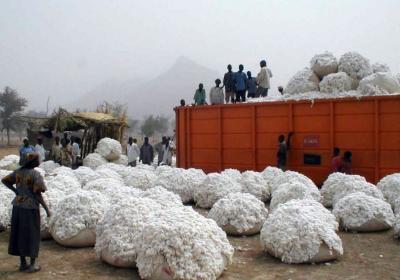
[[11, 105]]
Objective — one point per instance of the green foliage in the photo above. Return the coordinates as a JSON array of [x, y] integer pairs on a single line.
[[152, 124]]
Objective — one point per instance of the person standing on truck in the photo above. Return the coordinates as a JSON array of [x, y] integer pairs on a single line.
[[346, 163], [200, 96], [263, 80], [283, 149], [280, 89], [240, 84], [146, 152], [251, 85], [229, 85], [336, 160], [216, 94]]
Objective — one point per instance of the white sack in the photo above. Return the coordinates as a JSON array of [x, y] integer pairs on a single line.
[[303, 81], [300, 231], [109, 148], [239, 214], [363, 213], [324, 64]]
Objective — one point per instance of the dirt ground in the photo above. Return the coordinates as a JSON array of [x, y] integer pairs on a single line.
[[8, 150], [367, 256]]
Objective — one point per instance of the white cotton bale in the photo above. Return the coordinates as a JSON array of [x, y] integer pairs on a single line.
[[398, 77], [214, 187], [380, 67], [122, 170], [118, 231], [165, 253], [390, 187], [337, 82], [140, 178], [109, 148], [122, 160], [41, 171], [239, 214], [303, 81], [49, 166], [255, 184], [293, 190], [396, 226], [94, 160], [105, 186], [51, 197], [301, 231], [233, 174], [162, 168], [288, 176], [363, 213], [63, 182], [146, 167], [6, 197], [84, 174], [269, 174], [163, 197], [75, 217], [324, 64], [332, 185], [178, 181], [355, 65], [62, 170], [106, 173], [10, 162], [353, 185], [379, 84]]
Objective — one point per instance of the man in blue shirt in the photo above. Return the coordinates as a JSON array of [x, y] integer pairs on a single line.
[[251, 85], [240, 84], [24, 150]]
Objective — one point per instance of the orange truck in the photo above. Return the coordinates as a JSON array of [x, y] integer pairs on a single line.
[[245, 136]]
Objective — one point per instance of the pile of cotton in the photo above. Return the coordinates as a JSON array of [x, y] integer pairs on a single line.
[[291, 176], [123, 160], [303, 81], [324, 64], [330, 186], [351, 186], [85, 174], [162, 168], [336, 82], [239, 214], [195, 176], [293, 190], [140, 178], [355, 65], [182, 244], [380, 67], [364, 213], [396, 227], [163, 197], [379, 84], [6, 197], [105, 186], [118, 231], [41, 171], [51, 197], [109, 149], [49, 166], [398, 77], [178, 181], [10, 162], [63, 182], [62, 170], [107, 173], [94, 160], [75, 217], [390, 187], [269, 174], [122, 170], [214, 187], [145, 167], [301, 231], [233, 174], [255, 184]]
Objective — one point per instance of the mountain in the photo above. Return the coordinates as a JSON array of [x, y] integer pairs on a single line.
[[157, 96]]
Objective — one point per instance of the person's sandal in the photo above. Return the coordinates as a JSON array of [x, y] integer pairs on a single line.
[[23, 268], [33, 269]]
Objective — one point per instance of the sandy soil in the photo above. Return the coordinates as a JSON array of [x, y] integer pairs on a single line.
[[367, 256], [8, 150]]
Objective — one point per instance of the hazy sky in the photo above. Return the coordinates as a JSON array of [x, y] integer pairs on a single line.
[[65, 48]]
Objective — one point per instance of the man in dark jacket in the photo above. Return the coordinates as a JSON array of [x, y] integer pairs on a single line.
[[229, 84], [146, 152]]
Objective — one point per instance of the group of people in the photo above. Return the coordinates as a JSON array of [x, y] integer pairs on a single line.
[[236, 85], [146, 155], [340, 163], [65, 151]]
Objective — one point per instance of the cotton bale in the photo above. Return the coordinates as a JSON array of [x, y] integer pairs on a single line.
[[301, 231], [380, 67], [233, 174], [179, 243], [122, 170], [63, 170], [109, 148], [6, 197], [85, 174], [63, 182], [255, 184], [363, 213], [379, 84], [288, 176], [269, 174], [49, 166], [214, 187], [74, 219], [390, 187], [303, 81], [355, 65], [140, 178], [9, 162], [122, 160], [337, 82], [163, 197], [352, 186], [324, 64], [239, 214], [396, 226], [94, 160]]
